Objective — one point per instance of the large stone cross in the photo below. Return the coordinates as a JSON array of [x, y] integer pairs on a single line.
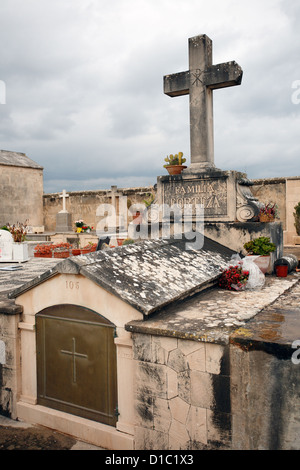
[[199, 82]]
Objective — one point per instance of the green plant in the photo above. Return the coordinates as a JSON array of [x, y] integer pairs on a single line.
[[128, 241], [149, 201], [175, 159], [260, 246], [297, 218]]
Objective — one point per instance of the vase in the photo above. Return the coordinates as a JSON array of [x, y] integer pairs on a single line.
[[266, 218], [263, 262], [175, 169]]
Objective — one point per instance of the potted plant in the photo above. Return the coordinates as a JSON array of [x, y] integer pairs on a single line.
[[89, 248], [175, 164], [297, 218], [61, 250], [261, 248], [268, 212], [20, 247], [43, 251]]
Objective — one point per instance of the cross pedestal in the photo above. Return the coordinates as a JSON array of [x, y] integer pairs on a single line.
[[199, 82]]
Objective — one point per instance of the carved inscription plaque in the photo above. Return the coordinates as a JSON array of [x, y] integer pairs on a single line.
[[210, 193]]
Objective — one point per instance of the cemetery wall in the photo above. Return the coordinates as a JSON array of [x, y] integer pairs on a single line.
[[272, 190], [83, 204], [285, 192], [21, 195]]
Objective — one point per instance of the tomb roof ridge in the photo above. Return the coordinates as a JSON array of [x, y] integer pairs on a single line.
[[19, 159]]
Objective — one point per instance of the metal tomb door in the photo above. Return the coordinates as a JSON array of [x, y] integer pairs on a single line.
[[76, 363]]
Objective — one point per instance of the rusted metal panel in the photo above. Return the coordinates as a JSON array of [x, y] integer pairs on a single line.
[[76, 363]]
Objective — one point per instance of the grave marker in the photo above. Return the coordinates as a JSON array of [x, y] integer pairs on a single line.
[[224, 195], [199, 82]]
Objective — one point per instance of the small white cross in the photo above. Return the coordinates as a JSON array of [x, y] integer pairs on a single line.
[[64, 195]]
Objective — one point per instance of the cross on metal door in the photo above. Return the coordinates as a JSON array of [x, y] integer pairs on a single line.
[[76, 363]]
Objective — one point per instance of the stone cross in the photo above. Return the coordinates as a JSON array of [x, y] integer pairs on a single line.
[[199, 82], [64, 195]]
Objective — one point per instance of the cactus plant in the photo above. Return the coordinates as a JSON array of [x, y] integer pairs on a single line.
[[176, 159]]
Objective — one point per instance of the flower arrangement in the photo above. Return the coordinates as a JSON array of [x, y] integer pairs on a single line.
[[234, 278], [268, 212], [260, 246], [79, 223], [81, 226], [44, 251], [59, 250], [18, 231]]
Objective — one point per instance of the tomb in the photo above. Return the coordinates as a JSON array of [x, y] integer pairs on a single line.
[[130, 348]]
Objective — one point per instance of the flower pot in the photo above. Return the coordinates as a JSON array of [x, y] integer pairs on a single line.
[[84, 252], [263, 262], [175, 169], [76, 252], [266, 218], [281, 271], [20, 251], [61, 254], [43, 255]]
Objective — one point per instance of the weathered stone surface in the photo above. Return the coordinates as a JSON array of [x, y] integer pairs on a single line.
[[199, 81], [149, 274], [212, 316]]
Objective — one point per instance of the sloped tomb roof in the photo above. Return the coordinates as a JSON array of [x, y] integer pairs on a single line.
[[147, 275]]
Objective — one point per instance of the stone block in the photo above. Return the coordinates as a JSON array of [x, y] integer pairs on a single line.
[[161, 415], [214, 354], [178, 436], [197, 424], [179, 409], [177, 361], [201, 389], [196, 360], [150, 439]]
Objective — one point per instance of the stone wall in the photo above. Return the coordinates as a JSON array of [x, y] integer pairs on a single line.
[[10, 357], [182, 394], [83, 204], [21, 195]]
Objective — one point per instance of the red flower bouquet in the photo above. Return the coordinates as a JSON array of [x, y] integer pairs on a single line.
[[234, 278]]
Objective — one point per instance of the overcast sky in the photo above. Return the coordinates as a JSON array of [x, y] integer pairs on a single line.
[[84, 86]]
